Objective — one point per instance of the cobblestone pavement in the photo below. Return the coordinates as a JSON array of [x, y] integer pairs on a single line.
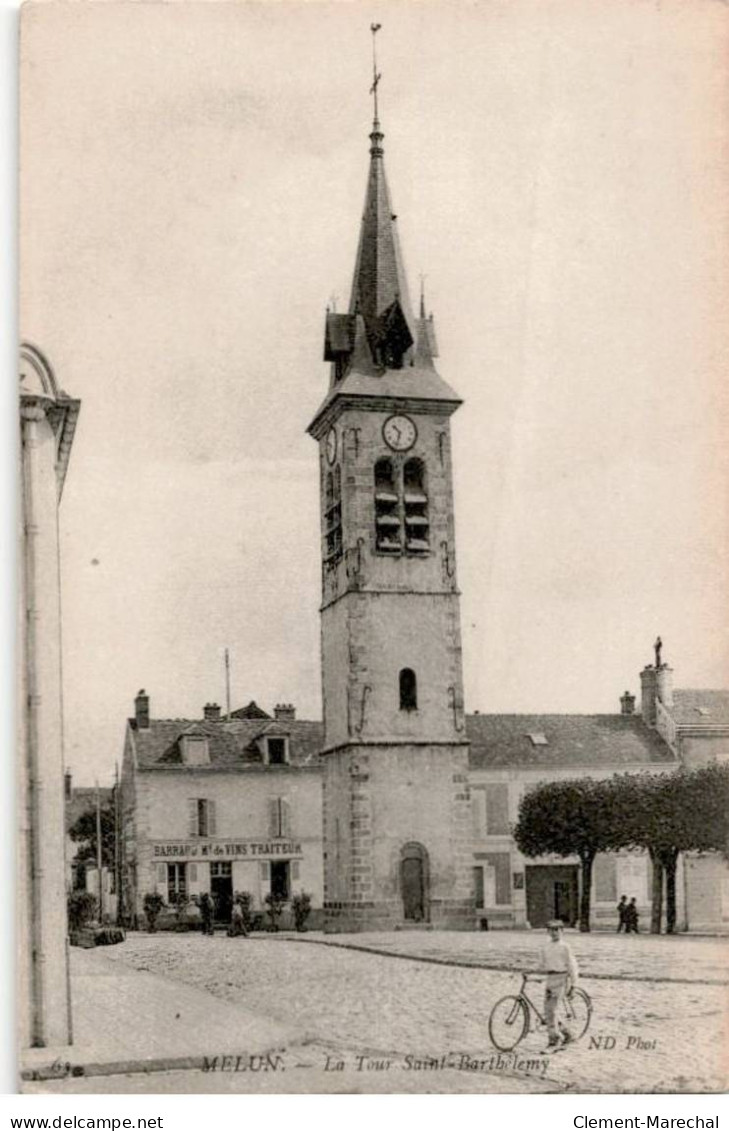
[[346, 1004], [600, 955]]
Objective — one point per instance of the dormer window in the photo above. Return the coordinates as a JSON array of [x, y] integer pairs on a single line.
[[277, 753], [538, 739], [195, 750]]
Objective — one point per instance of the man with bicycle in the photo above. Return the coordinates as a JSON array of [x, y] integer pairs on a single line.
[[560, 966]]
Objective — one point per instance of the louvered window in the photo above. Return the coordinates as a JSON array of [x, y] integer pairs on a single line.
[[417, 527], [388, 523], [333, 514], [401, 507]]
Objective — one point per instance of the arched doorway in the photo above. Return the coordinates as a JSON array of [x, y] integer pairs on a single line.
[[414, 883]]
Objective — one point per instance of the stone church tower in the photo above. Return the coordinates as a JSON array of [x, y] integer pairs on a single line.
[[397, 821]]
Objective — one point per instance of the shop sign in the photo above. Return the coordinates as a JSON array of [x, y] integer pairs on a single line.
[[226, 849]]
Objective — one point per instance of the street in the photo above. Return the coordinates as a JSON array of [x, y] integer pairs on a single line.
[[409, 1020]]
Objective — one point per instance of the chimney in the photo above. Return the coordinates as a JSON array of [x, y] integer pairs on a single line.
[[211, 713], [67, 785], [284, 712], [627, 704], [664, 685], [141, 710], [648, 695]]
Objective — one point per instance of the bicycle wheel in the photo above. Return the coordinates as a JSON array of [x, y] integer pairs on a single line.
[[508, 1023], [574, 1014]]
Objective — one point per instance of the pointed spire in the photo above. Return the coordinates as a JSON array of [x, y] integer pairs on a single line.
[[379, 287]]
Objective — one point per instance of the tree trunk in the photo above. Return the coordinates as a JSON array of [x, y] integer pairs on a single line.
[[657, 898], [586, 890], [670, 862]]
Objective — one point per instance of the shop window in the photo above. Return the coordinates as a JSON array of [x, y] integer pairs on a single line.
[[202, 818], [497, 809], [176, 882], [388, 532], [277, 750], [333, 514], [408, 690], [281, 879], [279, 817], [417, 528]]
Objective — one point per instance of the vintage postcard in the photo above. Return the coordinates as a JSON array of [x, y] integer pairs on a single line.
[[374, 672]]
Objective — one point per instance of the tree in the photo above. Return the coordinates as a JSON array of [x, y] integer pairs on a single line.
[[669, 814], [568, 818], [83, 832]]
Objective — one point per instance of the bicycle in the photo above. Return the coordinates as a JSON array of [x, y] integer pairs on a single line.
[[511, 1017]]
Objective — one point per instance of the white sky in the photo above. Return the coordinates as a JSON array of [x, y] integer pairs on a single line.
[[191, 185]]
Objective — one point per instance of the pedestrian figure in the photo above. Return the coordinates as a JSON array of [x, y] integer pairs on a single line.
[[237, 924], [631, 917], [622, 909], [206, 912], [560, 966]]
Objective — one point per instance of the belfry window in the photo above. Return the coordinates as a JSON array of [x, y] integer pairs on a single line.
[[388, 525], [401, 507], [416, 506], [333, 514], [408, 690]]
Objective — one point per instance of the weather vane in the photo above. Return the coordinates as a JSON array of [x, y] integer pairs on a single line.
[[374, 28]]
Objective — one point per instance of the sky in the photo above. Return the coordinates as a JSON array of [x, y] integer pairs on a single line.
[[191, 183]]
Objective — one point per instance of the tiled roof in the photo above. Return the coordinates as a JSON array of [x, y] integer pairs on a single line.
[[501, 741], [82, 800], [231, 743], [700, 708]]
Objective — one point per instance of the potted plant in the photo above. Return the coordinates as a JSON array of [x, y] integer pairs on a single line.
[[301, 907], [275, 904], [153, 904]]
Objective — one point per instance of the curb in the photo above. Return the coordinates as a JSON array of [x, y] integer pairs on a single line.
[[435, 961], [67, 1070]]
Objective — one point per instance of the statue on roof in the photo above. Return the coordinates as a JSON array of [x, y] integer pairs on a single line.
[[658, 645]]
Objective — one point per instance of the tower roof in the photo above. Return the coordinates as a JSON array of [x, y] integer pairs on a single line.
[[379, 348], [379, 287]]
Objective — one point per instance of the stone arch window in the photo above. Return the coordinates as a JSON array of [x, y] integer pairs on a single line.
[[388, 524], [415, 497], [408, 690], [333, 514]]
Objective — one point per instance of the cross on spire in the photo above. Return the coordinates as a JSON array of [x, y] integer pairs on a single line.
[[376, 76]]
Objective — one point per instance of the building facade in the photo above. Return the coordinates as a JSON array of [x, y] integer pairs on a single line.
[[220, 805], [47, 424]]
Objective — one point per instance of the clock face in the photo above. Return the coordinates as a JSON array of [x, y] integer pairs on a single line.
[[400, 433], [331, 445]]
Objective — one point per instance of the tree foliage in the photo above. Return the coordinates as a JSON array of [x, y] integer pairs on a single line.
[[685, 811], [83, 832], [573, 817]]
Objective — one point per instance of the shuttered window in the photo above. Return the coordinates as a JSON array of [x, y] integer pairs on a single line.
[[201, 817], [497, 809], [279, 817], [501, 864], [478, 813]]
